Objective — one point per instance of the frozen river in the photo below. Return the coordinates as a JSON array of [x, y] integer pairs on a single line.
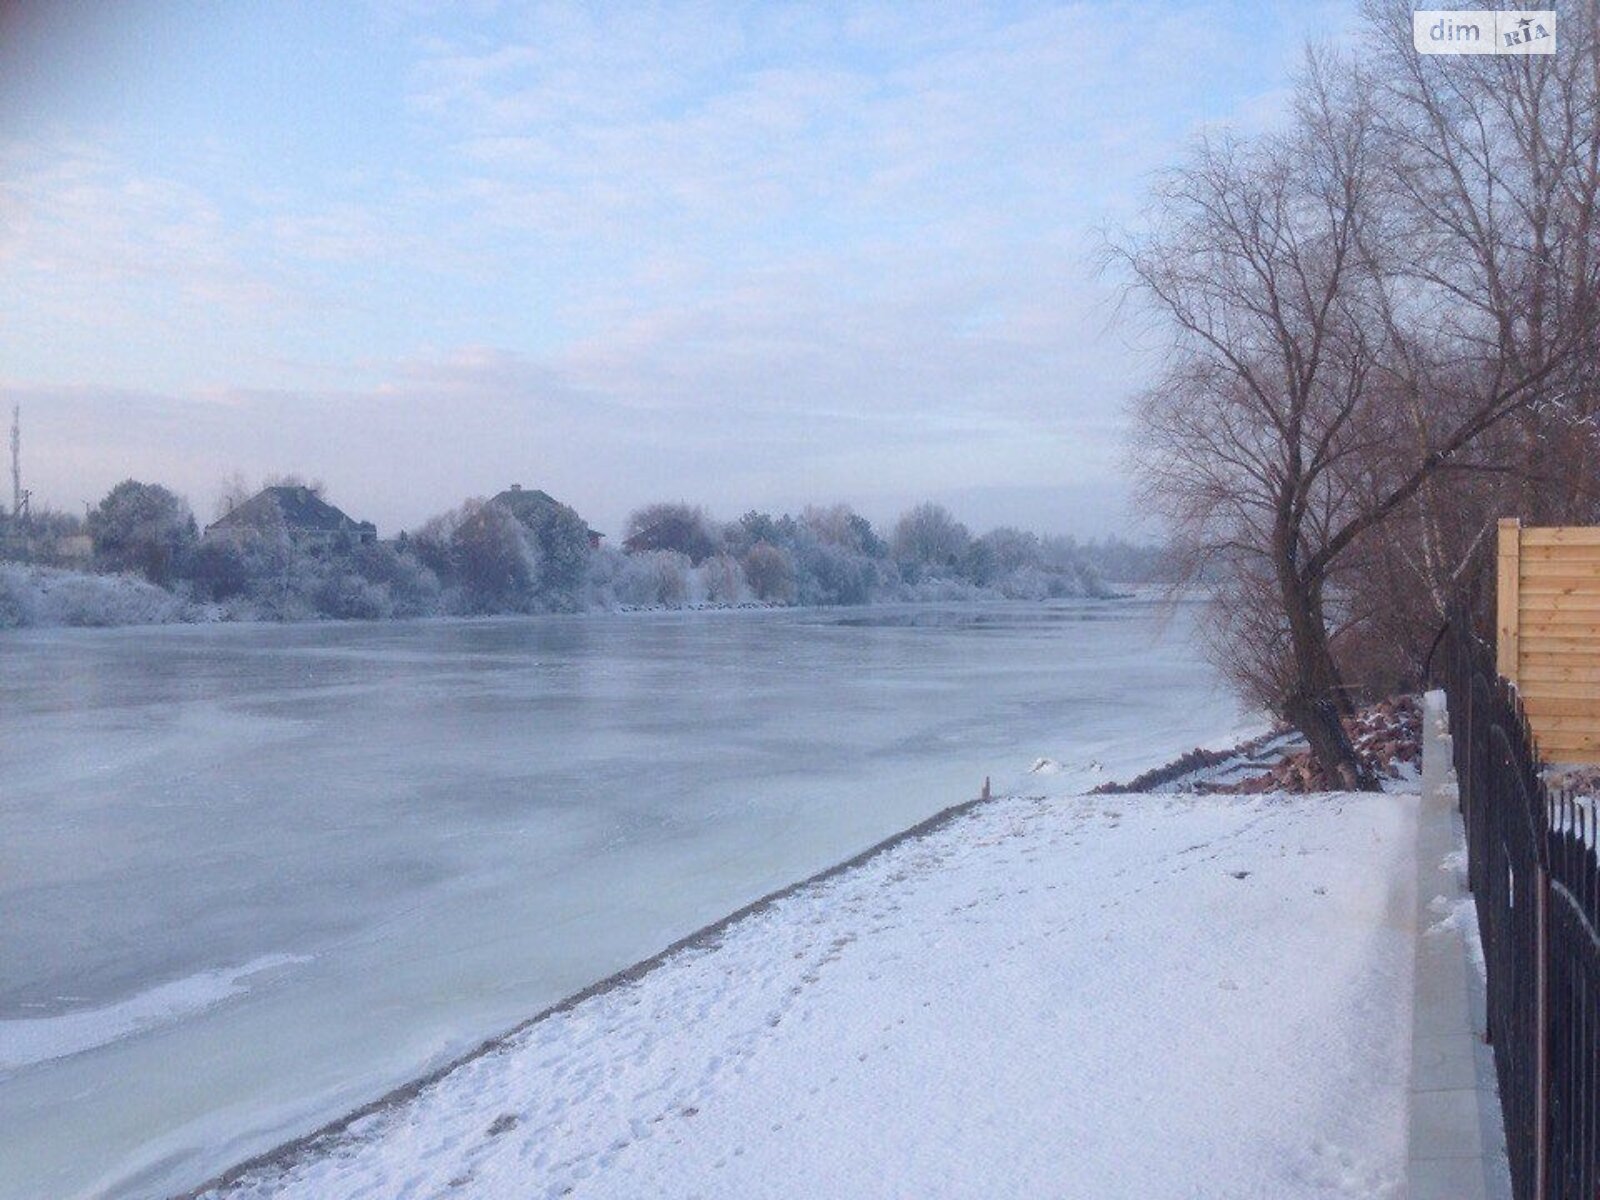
[[253, 876]]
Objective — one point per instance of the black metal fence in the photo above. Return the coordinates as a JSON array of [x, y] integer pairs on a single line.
[[1535, 877]]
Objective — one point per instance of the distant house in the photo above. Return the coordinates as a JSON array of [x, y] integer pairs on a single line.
[[680, 532], [309, 520], [534, 507]]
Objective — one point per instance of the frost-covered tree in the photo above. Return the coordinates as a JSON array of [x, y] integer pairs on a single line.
[[749, 531], [410, 588], [142, 528], [770, 573], [831, 574], [840, 525], [652, 579], [494, 560], [679, 527], [562, 538], [929, 538], [220, 569], [1010, 550]]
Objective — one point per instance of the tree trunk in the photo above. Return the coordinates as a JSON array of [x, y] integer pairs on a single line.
[[1317, 701], [1317, 719]]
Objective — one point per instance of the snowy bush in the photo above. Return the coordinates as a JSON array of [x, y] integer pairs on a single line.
[[410, 589], [720, 580], [830, 574], [654, 579], [49, 596], [19, 599]]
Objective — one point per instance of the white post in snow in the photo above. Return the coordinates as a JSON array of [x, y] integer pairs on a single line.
[[1437, 755]]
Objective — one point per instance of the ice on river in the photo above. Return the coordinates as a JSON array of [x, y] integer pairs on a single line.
[[251, 877], [27, 1042]]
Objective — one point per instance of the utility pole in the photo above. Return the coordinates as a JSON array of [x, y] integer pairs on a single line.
[[16, 461], [19, 498]]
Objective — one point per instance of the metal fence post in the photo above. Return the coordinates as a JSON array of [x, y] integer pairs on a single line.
[[1541, 1053]]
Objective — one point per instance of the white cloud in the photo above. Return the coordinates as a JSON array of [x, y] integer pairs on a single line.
[[78, 229]]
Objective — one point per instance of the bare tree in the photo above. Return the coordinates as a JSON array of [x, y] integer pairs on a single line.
[[231, 493], [1279, 436], [293, 479], [927, 536], [1493, 166]]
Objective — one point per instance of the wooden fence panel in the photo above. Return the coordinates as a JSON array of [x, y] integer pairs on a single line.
[[1548, 633]]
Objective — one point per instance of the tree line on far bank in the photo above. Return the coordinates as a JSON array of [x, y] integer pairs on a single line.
[[525, 553]]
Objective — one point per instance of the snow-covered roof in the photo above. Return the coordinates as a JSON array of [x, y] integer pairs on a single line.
[[300, 509]]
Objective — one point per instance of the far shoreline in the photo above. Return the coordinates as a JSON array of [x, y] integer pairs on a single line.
[[657, 612]]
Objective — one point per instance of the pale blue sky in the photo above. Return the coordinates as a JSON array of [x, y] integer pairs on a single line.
[[744, 255]]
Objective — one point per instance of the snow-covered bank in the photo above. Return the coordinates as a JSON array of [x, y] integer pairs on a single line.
[[1138, 996], [51, 597]]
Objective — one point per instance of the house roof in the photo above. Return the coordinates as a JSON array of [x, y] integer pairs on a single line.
[[531, 504], [300, 509], [521, 500]]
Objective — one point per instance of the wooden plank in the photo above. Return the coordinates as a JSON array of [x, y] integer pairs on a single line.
[[1534, 688], [1574, 668], [1543, 556], [1559, 685], [1535, 602], [1567, 625], [1570, 752], [1539, 674], [1561, 642], [1582, 726], [1549, 570], [1561, 535], [1542, 654], [1569, 741], [1587, 707], [1506, 601], [1561, 652], [1549, 585], [1560, 585], [1570, 749]]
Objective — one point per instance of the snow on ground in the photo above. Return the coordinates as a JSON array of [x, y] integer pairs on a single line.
[[1115, 996]]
